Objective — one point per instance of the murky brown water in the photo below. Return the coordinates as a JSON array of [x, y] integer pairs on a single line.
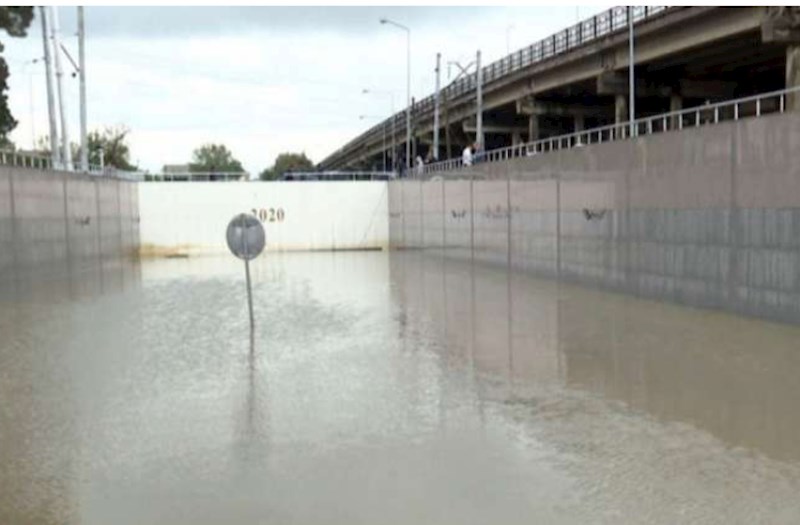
[[386, 389]]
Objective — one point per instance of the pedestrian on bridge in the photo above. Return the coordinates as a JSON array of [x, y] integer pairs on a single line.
[[466, 156]]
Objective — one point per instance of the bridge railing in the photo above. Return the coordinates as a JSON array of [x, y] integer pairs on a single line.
[[586, 31], [23, 159], [196, 176], [708, 114]]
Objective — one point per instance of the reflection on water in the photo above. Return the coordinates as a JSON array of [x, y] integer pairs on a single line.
[[384, 389]]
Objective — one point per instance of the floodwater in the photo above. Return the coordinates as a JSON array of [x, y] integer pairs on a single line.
[[401, 388]]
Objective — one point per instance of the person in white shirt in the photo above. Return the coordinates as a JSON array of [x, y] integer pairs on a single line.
[[420, 166], [466, 156]]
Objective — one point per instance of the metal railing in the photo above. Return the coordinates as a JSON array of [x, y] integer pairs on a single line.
[[40, 161], [337, 176], [598, 26], [708, 114], [25, 160], [196, 176]]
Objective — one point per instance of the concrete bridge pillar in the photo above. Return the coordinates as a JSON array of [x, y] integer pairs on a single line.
[[533, 128], [793, 76], [620, 112], [675, 104], [580, 123]]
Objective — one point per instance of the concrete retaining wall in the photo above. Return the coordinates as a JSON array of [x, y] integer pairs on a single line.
[[49, 220], [707, 217], [191, 217]]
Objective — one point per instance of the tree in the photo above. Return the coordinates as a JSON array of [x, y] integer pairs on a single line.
[[286, 162], [210, 158], [15, 21], [112, 141]]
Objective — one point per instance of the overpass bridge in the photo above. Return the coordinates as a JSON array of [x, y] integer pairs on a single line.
[[576, 79]]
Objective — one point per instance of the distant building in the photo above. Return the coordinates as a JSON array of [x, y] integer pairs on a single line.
[[175, 168]]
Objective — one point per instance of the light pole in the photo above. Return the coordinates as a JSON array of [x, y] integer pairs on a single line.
[[508, 38], [30, 98], [367, 91], [408, 87], [55, 153], [362, 117], [464, 70], [632, 95], [82, 70]]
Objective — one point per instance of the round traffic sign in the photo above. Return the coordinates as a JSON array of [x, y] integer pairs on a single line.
[[245, 236]]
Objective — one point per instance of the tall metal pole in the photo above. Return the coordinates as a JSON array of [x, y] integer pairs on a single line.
[[479, 109], [408, 87], [82, 72], [394, 150], [62, 102], [436, 110], [408, 99], [384, 148], [55, 156], [631, 92]]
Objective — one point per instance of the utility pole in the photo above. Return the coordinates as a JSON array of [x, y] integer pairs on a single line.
[[436, 110], [479, 97], [631, 94], [82, 72], [55, 157], [62, 109]]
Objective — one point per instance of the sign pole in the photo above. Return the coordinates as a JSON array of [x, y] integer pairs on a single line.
[[246, 240]]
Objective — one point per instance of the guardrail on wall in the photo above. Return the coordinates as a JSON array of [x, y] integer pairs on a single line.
[[753, 106], [40, 161], [589, 30]]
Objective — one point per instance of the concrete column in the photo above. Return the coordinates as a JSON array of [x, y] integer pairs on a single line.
[[516, 138], [579, 122], [793, 76], [620, 112], [675, 104], [533, 128]]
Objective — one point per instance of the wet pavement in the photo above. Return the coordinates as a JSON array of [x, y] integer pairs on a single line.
[[402, 388]]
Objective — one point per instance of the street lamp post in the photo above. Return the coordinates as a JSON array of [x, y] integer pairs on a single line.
[[631, 80], [408, 87]]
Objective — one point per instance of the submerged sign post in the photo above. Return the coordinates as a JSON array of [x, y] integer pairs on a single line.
[[246, 239]]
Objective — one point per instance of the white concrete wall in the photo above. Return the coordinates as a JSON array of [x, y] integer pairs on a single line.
[[191, 217]]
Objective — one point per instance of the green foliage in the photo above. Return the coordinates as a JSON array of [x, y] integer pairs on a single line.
[[112, 141], [210, 158], [15, 21], [286, 162]]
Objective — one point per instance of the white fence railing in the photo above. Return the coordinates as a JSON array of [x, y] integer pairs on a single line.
[[708, 114], [196, 176], [22, 159]]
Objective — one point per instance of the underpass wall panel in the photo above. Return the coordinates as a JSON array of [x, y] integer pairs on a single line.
[[396, 215], [708, 216], [6, 224], [458, 218], [40, 222], [411, 194], [433, 214], [190, 218], [50, 222], [82, 220]]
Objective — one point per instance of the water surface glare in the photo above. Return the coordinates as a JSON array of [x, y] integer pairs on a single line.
[[401, 388]]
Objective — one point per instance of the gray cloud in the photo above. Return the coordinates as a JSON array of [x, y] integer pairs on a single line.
[[208, 21]]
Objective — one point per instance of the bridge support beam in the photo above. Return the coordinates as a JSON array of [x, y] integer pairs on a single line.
[[533, 128], [620, 112], [793, 76], [580, 122]]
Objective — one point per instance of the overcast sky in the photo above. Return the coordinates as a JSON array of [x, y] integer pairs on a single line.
[[261, 80]]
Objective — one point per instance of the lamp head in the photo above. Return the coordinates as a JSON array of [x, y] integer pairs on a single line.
[[383, 20]]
